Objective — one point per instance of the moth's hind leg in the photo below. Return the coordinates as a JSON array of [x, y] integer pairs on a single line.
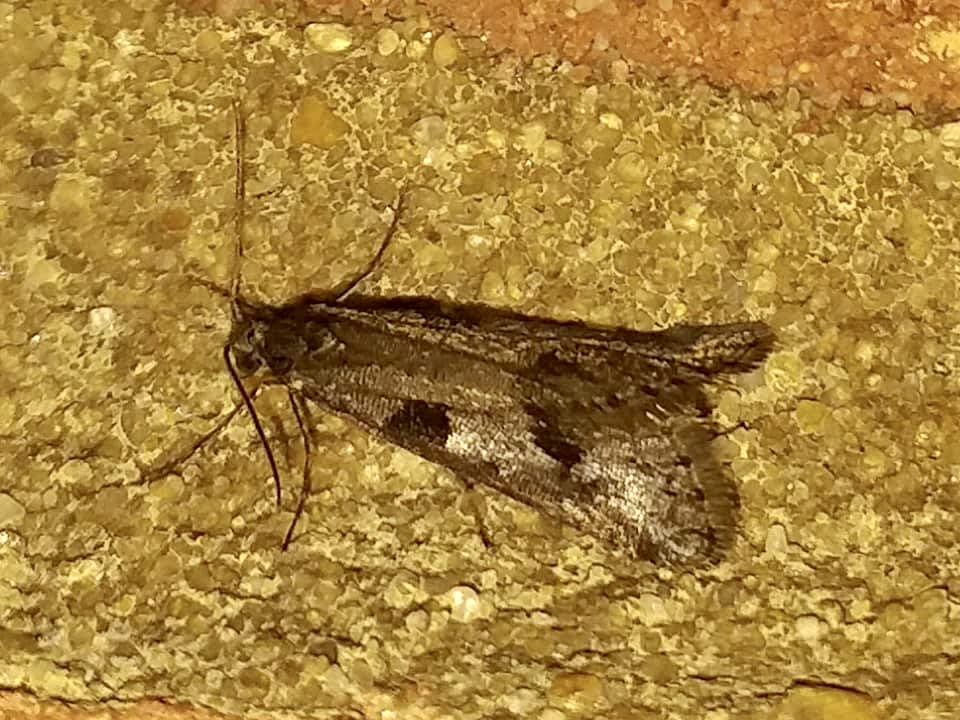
[[476, 505]]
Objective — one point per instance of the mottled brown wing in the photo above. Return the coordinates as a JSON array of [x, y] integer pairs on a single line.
[[621, 450]]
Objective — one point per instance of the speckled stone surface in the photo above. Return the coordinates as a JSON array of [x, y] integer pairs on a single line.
[[623, 202]]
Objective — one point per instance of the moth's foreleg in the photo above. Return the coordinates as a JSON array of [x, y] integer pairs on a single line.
[[168, 466]]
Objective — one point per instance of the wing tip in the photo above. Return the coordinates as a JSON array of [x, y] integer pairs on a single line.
[[731, 348], [700, 525]]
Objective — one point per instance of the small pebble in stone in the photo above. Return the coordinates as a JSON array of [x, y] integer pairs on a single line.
[[328, 37]]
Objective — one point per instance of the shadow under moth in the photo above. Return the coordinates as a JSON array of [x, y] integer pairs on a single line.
[[603, 428]]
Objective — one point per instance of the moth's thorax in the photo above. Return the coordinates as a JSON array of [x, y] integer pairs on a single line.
[[278, 344]]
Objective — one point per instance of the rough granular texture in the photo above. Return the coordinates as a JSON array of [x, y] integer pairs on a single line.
[[888, 53]]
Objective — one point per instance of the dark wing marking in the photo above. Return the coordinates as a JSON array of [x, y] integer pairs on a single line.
[[418, 418], [548, 437]]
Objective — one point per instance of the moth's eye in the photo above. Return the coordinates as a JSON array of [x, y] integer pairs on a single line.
[[244, 352], [245, 360], [279, 363]]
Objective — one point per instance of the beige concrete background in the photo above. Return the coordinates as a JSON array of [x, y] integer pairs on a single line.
[[595, 194]]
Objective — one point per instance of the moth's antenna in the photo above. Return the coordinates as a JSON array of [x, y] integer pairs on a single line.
[[301, 411], [239, 216], [239, 206], [252, 411], [346, 287]]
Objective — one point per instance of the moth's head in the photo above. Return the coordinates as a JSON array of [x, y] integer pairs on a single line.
[[262, 339], [247, 346], [244, 348], [278, 339]]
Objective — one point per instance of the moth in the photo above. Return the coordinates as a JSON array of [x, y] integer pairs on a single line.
[[606, 429]]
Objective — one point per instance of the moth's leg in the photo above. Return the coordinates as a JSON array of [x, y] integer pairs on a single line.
[[476, 505], [301, 411], [157, 472]]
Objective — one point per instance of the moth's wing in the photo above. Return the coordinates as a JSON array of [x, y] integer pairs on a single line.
[[660, 491], [605, 429], [622, 364], [525, 342], [650, 488]]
